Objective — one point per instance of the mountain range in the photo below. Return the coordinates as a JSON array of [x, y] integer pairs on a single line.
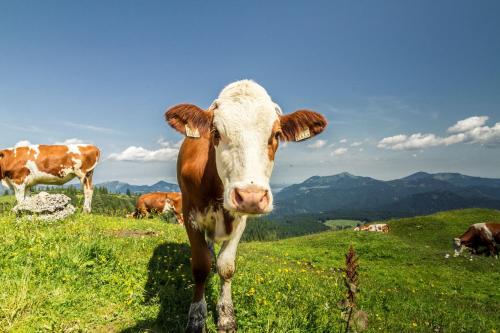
[[349, 196], [121, 187], [355, 197]]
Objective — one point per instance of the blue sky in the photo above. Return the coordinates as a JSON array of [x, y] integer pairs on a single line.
[[393, 78]]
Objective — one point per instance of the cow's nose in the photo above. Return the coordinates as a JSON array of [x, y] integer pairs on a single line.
[[251, 200]]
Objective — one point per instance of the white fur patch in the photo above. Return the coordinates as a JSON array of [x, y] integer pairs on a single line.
[[484, 228], [75, 149], [37, 151], [245, 116], [168, 207], [212, 222]]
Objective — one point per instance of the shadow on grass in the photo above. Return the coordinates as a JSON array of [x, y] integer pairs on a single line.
[[169, 285]]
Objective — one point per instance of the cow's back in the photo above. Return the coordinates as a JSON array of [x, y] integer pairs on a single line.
[[54, 159], [495, 230], [151, 201]]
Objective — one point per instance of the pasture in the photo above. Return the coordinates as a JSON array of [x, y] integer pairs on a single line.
[[93, 273], [342, 224]]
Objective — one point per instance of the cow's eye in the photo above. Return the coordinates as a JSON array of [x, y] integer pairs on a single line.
[[216, 134]]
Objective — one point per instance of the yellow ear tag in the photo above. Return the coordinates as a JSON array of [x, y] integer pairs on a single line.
[[303, 135], [192, 132]]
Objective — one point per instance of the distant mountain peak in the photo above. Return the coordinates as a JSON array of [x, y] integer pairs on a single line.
[[418, 175], [346, 174]]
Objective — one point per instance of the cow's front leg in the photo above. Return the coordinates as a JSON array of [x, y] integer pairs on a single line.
[[225, 267], [200, 266], [20, 192], [88, 191]]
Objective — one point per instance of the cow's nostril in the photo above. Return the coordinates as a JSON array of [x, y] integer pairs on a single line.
[[264, 197], [238, 197]]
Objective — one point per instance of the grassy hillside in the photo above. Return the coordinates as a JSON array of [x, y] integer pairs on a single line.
[[342, 224], [109, 274]]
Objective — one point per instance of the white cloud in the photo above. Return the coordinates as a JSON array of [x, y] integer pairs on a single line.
[[392, 140], [486, 135], [164, 143], [339, 151], [468, 124], [168, 151], [317, 144], [470, 130], [343, 141], [22, 143], [356, 144], [72, 141], [141, 154]]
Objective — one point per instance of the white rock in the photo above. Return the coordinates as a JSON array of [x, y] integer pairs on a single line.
[[45, 207]]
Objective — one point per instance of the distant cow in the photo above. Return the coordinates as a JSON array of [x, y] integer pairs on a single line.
[[159, 202], [379, 227], [24, 167], [479, 234], [223, 169]]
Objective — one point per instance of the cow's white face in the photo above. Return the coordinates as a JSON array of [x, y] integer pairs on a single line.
[[246, 135], [245, 126]]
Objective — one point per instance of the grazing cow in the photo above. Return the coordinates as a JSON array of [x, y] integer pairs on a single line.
[[479, 234], [159, 202], [223, 170], [379, 227], [24, 167]]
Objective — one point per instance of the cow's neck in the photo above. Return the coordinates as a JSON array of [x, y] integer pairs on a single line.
[[208, 192]]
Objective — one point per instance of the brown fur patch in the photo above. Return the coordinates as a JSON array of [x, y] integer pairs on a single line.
[[273, 141], [294, 123], [156, 201]]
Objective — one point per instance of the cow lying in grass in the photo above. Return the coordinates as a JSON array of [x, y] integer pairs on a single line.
[[159, 202], [379, 227], [479, 235], [223, 170], [24, 167]]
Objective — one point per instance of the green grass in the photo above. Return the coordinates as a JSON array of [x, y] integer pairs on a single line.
[[108, 274], [342, 224]]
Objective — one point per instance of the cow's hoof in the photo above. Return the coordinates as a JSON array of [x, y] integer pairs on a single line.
[[226, 331], [195, 329], [226, 322], [196, 318]]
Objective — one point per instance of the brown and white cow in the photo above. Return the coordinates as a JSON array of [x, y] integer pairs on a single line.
[[24, 167], [479, 234], [159, 202], [223, 170], [378, 227]]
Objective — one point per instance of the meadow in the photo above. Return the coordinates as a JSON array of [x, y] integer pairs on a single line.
[[342, 224], [95, 273]]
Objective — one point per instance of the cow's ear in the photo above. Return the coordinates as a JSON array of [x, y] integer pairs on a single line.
[[302, 125], [189, 120]]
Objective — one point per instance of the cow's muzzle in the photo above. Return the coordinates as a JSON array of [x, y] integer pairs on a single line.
[[250, 200]]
